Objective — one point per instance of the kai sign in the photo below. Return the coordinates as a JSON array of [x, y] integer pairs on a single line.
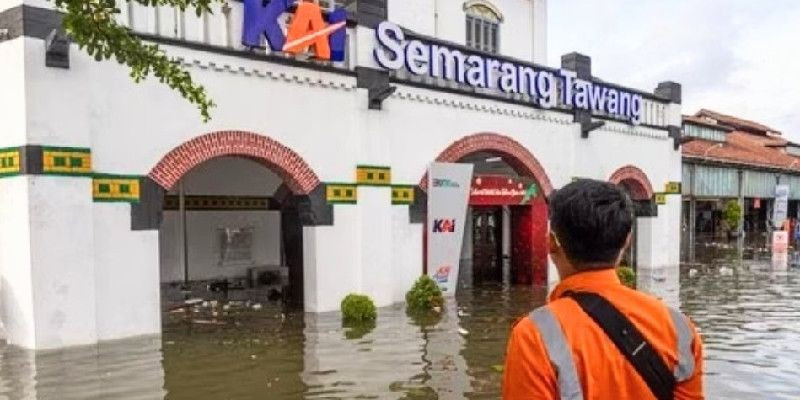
[[308, 30], [418, 57]]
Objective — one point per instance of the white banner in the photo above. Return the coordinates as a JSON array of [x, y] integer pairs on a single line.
[[448, 195], [781, 209]]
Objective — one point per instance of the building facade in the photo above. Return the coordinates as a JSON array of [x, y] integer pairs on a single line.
[[315, 159], [729, 159]]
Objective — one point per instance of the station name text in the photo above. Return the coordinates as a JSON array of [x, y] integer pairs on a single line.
[[394, 52]]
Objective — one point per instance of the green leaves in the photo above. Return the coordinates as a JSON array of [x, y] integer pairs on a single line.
[[424, 295], [92, 25]]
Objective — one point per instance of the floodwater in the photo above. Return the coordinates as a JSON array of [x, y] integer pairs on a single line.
[[748, 311]]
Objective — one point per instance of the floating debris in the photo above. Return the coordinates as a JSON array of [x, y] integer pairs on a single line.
[[194, 301], [463, 332]]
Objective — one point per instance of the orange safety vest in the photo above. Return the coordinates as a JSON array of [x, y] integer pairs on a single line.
[[559, 352]]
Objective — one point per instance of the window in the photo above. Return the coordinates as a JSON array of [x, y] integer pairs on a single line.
[[349, 5], [483, 26]]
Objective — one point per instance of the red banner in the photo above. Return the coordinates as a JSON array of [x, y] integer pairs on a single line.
[[498, 190]]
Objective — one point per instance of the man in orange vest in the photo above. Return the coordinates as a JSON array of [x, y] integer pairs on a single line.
[[596, 338]]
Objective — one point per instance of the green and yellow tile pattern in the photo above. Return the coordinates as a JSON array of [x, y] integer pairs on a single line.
[[115, 188], [9, 161], [373, 175], [66, 161], [402, 194], [673, 188], [341, 193]]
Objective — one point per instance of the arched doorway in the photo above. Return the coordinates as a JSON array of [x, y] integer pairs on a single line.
[[233, 216], [635, 182], [507, 215]]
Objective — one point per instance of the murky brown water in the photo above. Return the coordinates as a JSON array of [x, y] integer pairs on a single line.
[[749, 313]]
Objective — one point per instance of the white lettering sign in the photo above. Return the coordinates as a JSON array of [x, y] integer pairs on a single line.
[[394, 52]]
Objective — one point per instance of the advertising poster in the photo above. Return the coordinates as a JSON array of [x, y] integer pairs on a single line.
[[448, 194], [781, 209]]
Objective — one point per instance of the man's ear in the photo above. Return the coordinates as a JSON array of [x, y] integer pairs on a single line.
[[552, 244]]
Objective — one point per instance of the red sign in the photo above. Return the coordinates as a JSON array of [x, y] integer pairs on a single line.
[[756, 203], [498, 190]]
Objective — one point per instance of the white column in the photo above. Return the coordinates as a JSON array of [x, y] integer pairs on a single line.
[[506, 241], [128, 275], [375, 246], [331, 263], [658, 257], [48, 274]]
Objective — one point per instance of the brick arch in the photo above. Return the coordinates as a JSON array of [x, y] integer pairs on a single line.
[[286, 163], [514, 153], [635, 180]]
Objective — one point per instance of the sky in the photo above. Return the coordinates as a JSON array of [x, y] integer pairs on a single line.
[[738, 57]]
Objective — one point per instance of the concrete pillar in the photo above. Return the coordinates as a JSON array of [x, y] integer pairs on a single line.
[[48, 270], [658, 256], [692, 212], [506, 229], [375, 245], [740, 200], [331, 263]]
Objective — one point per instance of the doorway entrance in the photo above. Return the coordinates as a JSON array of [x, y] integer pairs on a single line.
[[231, 233], [487, 236]]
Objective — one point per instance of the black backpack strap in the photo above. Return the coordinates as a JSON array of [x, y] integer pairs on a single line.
[[630, 342]]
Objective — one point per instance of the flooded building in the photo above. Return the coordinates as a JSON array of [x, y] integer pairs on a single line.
[[727, 159], [311, 176]]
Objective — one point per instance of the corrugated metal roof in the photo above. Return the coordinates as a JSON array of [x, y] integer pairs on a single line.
[[715, 182]]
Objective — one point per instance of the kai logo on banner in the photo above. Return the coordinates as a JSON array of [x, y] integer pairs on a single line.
[[308, 28], [442, 275], [444, 226]]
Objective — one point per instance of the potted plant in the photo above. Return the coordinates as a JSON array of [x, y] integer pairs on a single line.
[[732, 215]]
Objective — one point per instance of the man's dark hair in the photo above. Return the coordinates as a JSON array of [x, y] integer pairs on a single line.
[[592, 220]]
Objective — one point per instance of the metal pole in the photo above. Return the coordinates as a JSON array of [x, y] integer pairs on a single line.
[[740, 236], [184, 235], [692, 213]]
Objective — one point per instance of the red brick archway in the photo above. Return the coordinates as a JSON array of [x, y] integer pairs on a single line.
[[635, 180], [294, 171], [513, 153], [533, 269]]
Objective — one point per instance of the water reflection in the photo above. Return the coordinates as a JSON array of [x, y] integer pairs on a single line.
[[128, 369], [747, 309]]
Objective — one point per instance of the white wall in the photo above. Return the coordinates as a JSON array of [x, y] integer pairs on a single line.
[[127, 275], [62, 268], [522, 32], [12, 95], [16, 286], [320, 115], [227, 176]]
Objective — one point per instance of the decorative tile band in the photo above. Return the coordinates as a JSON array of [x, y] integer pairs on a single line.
[[122, 188], [673, 188], [373, 175], [402, 194], [661, 198], [218, 203], [66, 161], [9, 162], [341, 193]]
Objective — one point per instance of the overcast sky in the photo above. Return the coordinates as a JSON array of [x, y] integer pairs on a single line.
[[739, 57]]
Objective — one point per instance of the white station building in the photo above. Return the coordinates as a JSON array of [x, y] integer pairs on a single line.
[[314, 160]]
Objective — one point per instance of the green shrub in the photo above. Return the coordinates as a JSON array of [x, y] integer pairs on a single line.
[[358, 308], [627, 276], [424, 295], [732, 215]]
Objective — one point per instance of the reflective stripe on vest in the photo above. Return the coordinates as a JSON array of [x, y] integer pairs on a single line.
[[560, 353], [685, 367]]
